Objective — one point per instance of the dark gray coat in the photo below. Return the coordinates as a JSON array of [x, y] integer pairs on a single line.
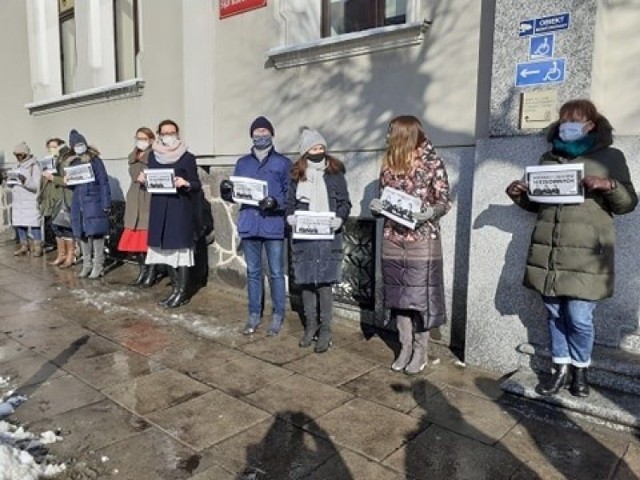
[[317, 262]]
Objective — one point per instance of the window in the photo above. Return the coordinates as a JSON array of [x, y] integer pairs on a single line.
[[346, 16], [126, 38], [68, 52]]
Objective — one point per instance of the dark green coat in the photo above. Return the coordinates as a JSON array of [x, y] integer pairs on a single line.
[[572, 246], [52, 191]]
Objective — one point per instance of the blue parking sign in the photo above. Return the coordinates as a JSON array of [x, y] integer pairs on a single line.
[[541, 47]]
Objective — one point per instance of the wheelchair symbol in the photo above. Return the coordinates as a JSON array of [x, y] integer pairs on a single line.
[[553, 74], [543, 49]]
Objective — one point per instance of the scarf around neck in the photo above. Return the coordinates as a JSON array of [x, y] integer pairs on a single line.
[[167, 155], [577, 148], [313, 191]]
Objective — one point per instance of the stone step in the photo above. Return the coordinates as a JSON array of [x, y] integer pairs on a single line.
[[605, 406], [612, 368]]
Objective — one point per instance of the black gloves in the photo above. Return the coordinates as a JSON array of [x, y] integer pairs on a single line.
[[226, 190], [268, 204]]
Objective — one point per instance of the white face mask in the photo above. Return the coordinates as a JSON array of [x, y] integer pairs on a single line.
[[80, 148], [168, 140], [571, 131], [142, 144]]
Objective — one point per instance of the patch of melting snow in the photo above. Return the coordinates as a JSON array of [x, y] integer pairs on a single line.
[[194, 323], [22, 455]]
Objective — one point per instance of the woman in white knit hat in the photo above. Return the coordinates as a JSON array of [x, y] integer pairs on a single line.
[[24, 206], [318, 185]]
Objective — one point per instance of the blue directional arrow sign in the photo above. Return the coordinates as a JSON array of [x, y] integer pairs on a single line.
[[540, 73]]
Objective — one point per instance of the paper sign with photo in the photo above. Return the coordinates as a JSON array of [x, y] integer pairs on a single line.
[[313, 225], [47, 164], [400, 206], [555, 183], [79, 174], [13, 177], [248, 191], [160, 180]]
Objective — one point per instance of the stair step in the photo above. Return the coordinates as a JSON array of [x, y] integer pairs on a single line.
[[610, 367], [612, 407]]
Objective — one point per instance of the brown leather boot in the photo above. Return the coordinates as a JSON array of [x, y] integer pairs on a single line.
[[70, 259], [62, 252], [23, 249], [36, 248]]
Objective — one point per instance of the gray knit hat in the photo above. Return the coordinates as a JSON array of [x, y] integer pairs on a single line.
[[22, 148], [310, 138]]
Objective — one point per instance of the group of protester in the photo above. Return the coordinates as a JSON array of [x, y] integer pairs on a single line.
[[570, 261]]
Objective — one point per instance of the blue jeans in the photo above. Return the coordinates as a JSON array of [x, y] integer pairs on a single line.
[[252, 248], [570, 329], [23, 232]]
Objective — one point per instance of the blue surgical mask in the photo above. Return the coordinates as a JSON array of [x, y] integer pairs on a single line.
[[262, 142], [571, 131]]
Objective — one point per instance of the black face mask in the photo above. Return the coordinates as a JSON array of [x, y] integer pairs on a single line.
[[315, 157]]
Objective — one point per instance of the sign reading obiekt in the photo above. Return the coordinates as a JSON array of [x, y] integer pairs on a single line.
[[229, 8], [536, 26]]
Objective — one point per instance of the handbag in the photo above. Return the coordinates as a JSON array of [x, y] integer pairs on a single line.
[[62, 216]]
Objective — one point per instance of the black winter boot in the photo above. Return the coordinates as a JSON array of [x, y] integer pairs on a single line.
[[559, 380], [173, 274], [142, 274], [183, 291], [325, 295], [579, 386]]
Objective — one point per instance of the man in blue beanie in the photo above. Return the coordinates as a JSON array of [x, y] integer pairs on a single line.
[[261, 227]]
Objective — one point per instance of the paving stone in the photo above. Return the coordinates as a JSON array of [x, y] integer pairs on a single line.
[[439, 453], [278, 350], [59, 343], [573, 452], [113, 368], [208, 419], [242, 376], [150, 455], [629, 467], [194, 355], [368, 428], [333, 368], [214, 473], [89, 428], [468, 415], [10, 349], [348, 465], [471, 380], [30, 320], [56, 395], [274, 449], [374, 349], [156, 391], [391, 389], [297, 393], [28, 369]]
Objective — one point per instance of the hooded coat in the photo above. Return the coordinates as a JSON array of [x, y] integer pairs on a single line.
[[91, 202], [24, 207], [572, 245]]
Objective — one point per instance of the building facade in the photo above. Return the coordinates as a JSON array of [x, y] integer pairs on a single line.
[[345, 67]]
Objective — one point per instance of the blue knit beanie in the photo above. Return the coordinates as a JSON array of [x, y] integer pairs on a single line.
[[261, 122], [75, 138]]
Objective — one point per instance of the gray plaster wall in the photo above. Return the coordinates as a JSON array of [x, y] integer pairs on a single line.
[[502, 314]]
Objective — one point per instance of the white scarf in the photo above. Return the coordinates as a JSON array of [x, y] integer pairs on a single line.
[[167, 155], [314, 191]]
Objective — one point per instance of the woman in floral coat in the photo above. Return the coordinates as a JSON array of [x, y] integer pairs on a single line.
[[412, 268]]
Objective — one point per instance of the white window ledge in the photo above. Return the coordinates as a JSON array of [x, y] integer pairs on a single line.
[[126, 89], [348, 45]]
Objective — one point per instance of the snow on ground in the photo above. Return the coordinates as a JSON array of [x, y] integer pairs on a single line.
[[18, 446]]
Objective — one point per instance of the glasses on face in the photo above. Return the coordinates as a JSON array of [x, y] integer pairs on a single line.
[[20, 157]]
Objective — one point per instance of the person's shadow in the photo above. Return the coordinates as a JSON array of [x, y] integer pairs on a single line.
[[436, 452], [288, 451]]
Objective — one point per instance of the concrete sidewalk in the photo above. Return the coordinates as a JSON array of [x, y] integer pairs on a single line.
[[140, 393]]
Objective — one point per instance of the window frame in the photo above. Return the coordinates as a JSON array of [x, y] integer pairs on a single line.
[[67, 15], [380, 17], [136, 40]]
